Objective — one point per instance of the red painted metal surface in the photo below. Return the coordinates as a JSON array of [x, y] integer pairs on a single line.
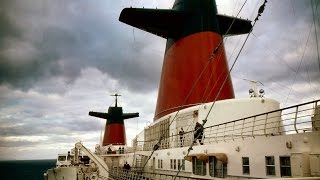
[[114, 134], [183, 63]]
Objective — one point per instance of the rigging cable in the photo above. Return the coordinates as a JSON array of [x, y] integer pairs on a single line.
[[275, 54], [238, 77], [158, 144], [315, 31], [260, 11], [232, 52], [296, 75], [218, 59], [280, 60], [301, 41]]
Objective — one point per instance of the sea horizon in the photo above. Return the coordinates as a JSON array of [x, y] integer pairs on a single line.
[[25, 169]]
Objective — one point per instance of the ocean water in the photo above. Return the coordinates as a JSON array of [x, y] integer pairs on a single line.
[[25, 169]]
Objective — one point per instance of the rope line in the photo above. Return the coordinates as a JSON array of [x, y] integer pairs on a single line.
[[260, 11]]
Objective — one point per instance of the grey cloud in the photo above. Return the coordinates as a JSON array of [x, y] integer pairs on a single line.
[[76, 38], [47, 127], [73, 54], [21, 143]]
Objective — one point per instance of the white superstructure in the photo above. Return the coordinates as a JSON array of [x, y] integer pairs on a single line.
[[224, 138], [243, 138]]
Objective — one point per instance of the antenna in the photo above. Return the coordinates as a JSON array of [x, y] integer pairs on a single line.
[[253, 90], [116, 95]]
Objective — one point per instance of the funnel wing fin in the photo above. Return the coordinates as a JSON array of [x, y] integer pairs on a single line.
[[237, 26], [99, 115], [130, 115], [161, 22]]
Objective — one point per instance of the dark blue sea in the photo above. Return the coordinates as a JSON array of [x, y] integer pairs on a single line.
[[25, 169]]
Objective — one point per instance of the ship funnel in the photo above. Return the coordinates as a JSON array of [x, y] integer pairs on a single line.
[[114, 132], [191, 72]]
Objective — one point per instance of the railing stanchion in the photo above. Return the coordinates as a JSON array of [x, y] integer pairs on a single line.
[[265, 125], [254, 120], [234, 123], [217, 133], [314, 123], [243, 120], [224, 131], [295, 120]]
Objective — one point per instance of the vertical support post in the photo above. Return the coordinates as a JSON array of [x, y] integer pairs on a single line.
[[209, 135], [314, 120], [234, 123], [217, 133], [280, 126], [295, 120], [224, 131], [242, 128], [265, 125], [254, 120]]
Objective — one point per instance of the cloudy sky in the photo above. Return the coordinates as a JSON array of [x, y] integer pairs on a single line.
[[60, 59]]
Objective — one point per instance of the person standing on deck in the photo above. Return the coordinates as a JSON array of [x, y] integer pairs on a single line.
[[181, 132], [198, 133]]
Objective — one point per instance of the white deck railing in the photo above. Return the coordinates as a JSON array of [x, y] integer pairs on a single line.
[[300, 118]]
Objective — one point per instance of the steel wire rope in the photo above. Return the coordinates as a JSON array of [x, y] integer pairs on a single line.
[[219, 58], [315, 31], [260, 11], [158, 144], [275, 54], [303, 51], [226, 38], [263, 85], [302, 56], [210, 59], [306, 68]]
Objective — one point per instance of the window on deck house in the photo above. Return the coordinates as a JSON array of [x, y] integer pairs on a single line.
[[217, 168], [245, 165], [159, 164], [199, 166], [270, 166], [285, 166], [183, 165]]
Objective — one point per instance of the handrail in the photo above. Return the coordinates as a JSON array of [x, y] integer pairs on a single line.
[[99, 162], [119, 173], [297, 118]]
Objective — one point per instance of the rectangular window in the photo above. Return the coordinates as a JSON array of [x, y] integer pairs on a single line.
[[217, 168], [285, 166], [175, 164], [211, 166], [270, 166], [161, 163], [179, 164], [199, 167], [245, 165], [171, 164]]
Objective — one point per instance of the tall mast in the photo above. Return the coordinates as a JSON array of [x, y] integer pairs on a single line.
[[116, 96]]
